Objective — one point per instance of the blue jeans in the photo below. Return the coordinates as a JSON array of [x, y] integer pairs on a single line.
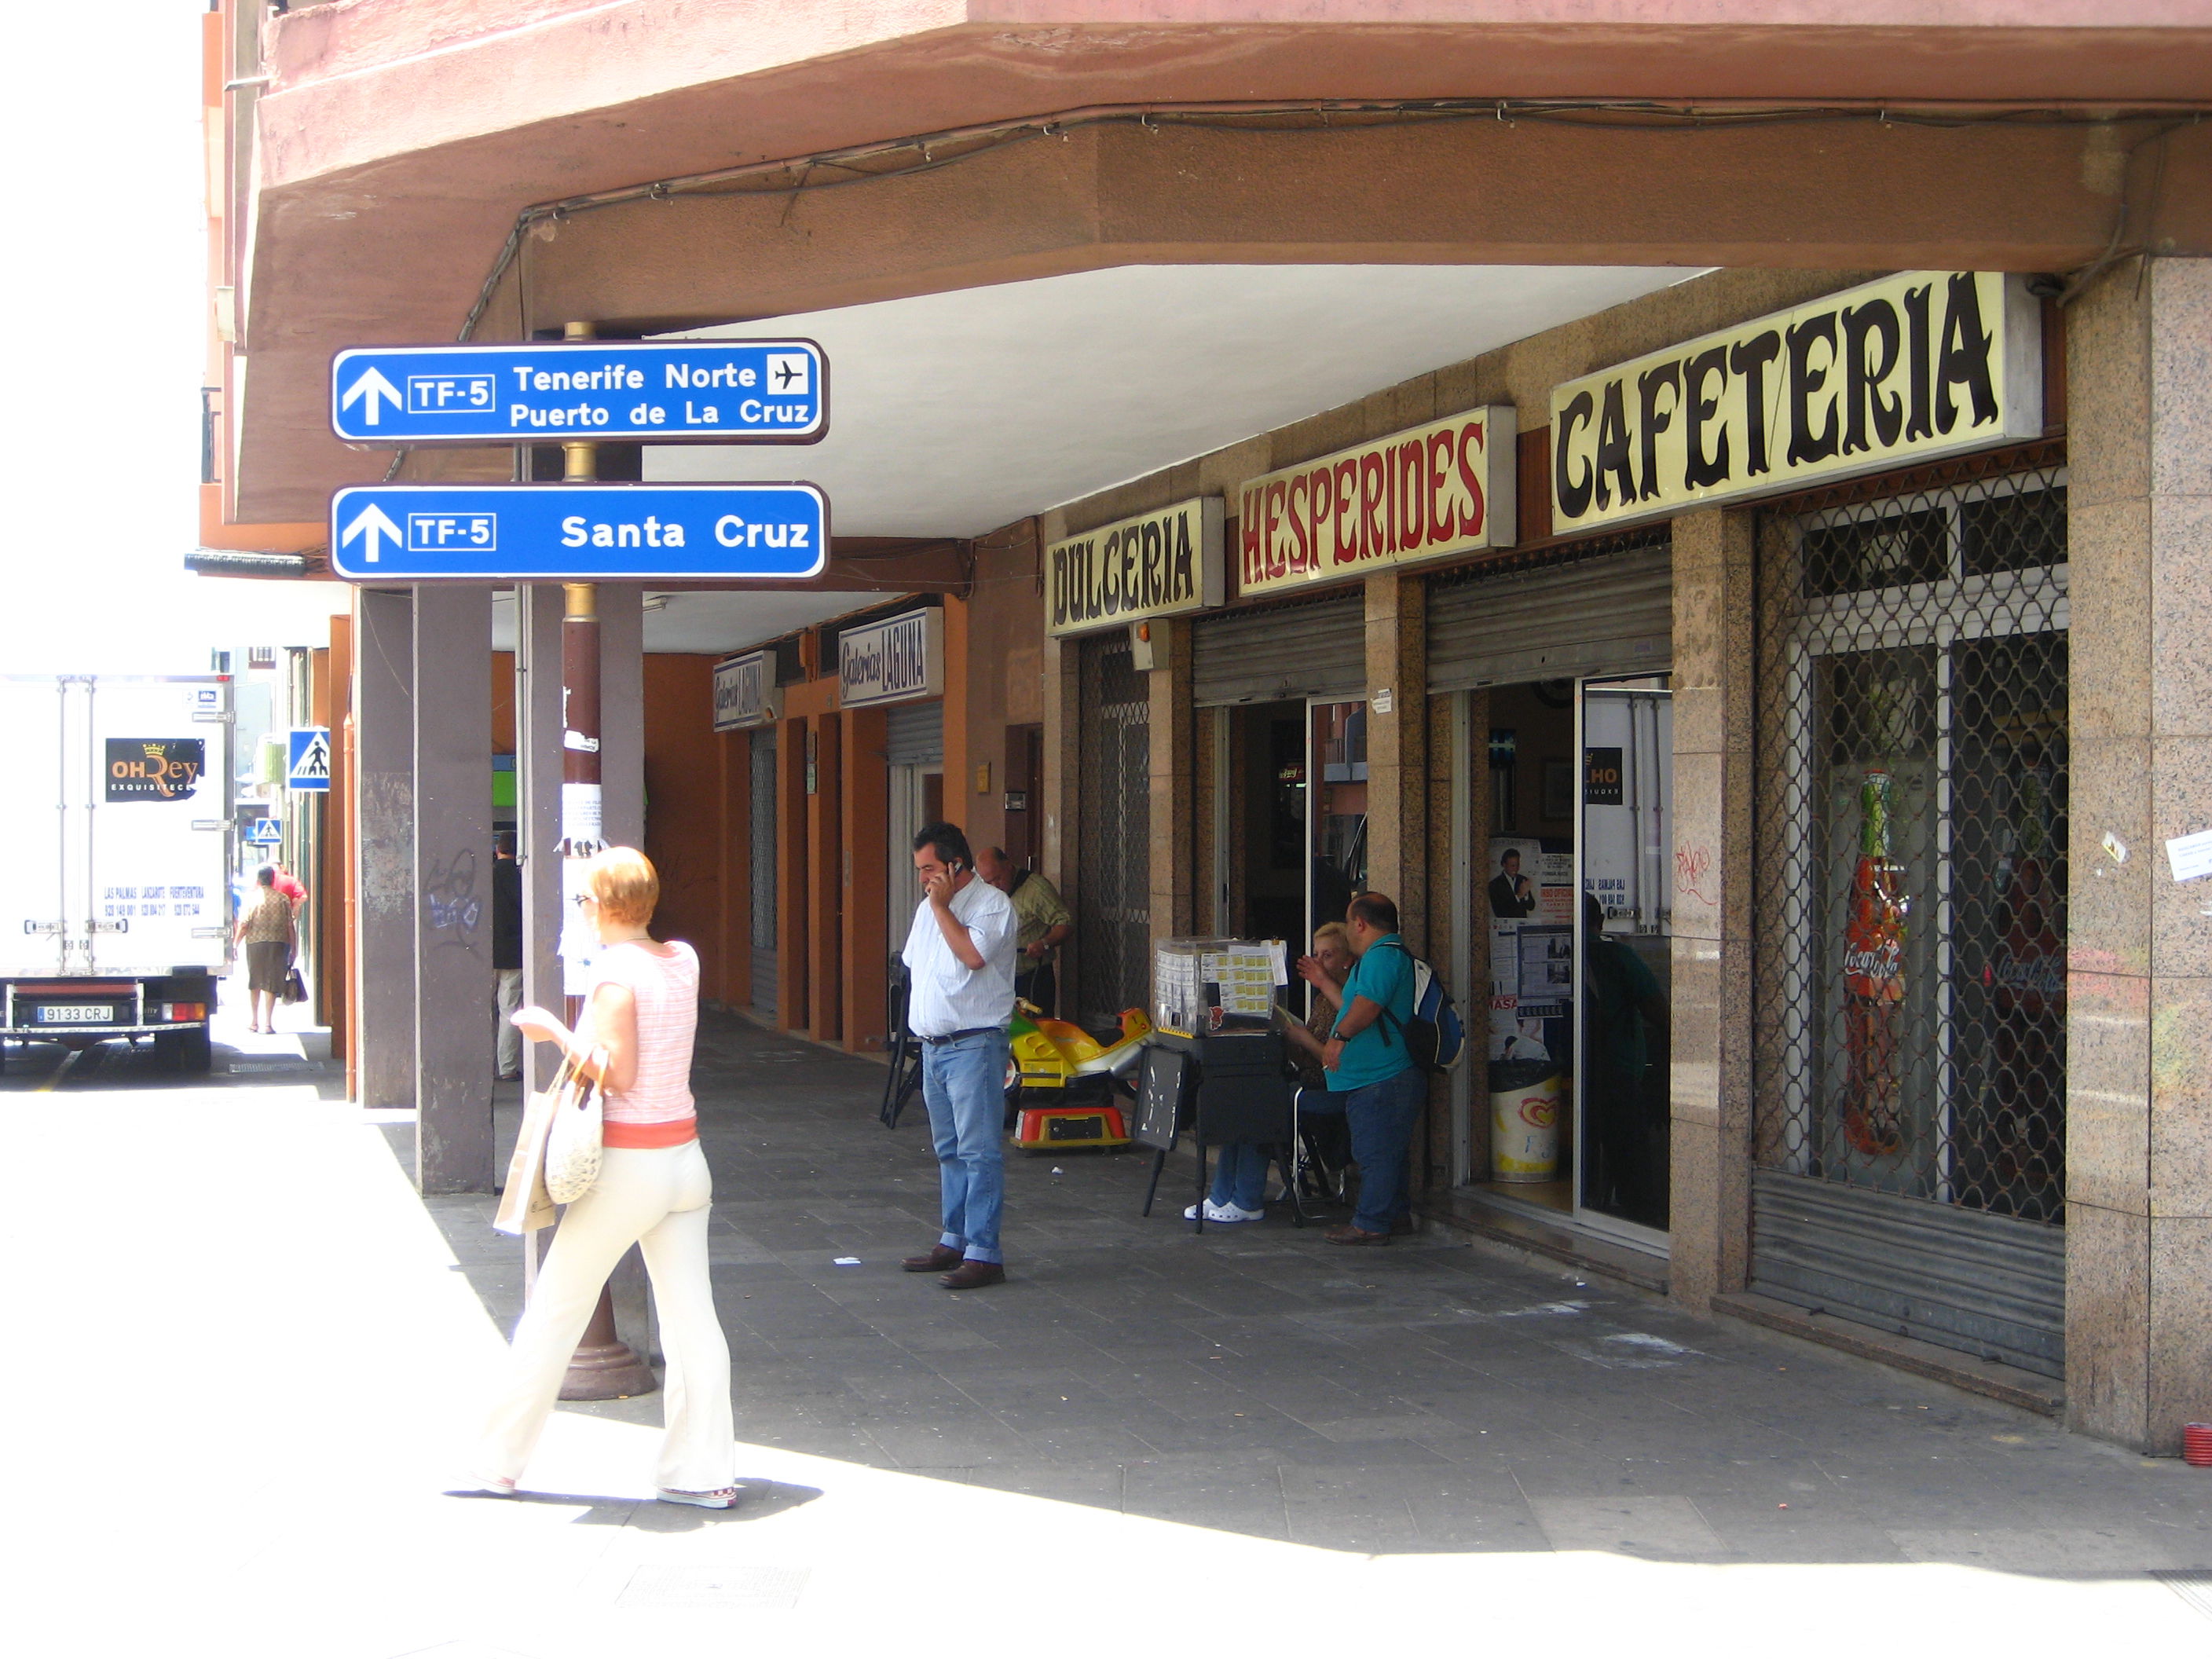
[[963, 1084], [1240, 1175], [1380, 1117]]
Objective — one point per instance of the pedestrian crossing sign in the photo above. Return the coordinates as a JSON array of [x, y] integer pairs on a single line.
[[308, 765]]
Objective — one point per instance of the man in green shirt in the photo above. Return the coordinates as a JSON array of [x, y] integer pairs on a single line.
[[1043, 919], [1366, 1060]]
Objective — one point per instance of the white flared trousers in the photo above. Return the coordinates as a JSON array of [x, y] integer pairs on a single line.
[[658, 1199]]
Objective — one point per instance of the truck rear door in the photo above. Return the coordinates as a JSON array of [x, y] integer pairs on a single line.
[[156, 892]]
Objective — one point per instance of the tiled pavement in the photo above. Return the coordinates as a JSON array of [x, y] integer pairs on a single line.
[[1426, 1397]]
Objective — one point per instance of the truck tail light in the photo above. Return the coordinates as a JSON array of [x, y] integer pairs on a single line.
[[183, 1011]]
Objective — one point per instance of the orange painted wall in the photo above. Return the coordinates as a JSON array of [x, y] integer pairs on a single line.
[[684, 812]]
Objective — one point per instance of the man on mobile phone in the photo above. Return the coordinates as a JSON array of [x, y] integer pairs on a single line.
[[960, 952]]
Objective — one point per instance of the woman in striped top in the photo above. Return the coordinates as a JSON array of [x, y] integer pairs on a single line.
[[636, 1037]]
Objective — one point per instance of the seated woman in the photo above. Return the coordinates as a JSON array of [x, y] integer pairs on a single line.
[[1240, 1177]]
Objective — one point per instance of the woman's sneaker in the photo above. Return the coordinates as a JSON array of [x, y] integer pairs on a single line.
[[1223, 1212]]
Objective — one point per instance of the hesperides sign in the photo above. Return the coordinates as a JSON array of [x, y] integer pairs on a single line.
[[1420, 494], [1153, 565], [1909, 369], [745, 691]]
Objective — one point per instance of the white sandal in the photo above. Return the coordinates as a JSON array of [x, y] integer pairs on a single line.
[[723, 1497]]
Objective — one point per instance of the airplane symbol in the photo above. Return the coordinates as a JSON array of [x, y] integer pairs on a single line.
[[786, 374], [789, 372], [371, 525], [367, 391]]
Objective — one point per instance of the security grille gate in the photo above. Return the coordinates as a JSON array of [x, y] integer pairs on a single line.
[[1909, 986], [1113, 860], [1600, 607], [764, 868], [913, 734], [1286, 652]]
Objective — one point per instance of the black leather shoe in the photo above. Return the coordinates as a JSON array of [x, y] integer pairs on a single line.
[[974, 1275], [940, 1258]]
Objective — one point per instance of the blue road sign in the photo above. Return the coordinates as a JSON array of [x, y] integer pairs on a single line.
[[264, 832], [577, 532], [760, 391], [307, 760]]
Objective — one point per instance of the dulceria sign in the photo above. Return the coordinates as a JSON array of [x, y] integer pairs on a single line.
[[1153, 565], [1420, 494], [1910, 369]]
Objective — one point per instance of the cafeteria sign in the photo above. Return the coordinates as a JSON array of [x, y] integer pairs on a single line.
[[900, 658], [1910, 369], [1156, 564], [1420, 494]]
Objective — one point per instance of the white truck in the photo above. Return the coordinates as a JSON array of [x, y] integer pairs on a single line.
[[115, 897]]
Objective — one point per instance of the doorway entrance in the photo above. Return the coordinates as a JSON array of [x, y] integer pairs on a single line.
[[1297, 851], [1567, 875]]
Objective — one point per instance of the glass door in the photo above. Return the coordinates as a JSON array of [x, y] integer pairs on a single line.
[[1623, 932], [1336, 810]]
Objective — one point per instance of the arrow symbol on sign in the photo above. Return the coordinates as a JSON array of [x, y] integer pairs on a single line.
[[367, 391], [370, 524]]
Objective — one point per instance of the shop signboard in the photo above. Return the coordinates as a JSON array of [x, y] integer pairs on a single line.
[[745, 691], [1157, 564], [1424, 493], [899, 658], [1910, 369]]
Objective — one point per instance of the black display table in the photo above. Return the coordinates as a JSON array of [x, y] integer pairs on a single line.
[[1220, 1090]]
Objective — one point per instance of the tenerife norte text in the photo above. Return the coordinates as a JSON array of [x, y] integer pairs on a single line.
[[1420, 494], [1154, 565], [1906, 369]]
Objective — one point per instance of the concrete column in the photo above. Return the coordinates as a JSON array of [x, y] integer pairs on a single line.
[[452, 874], [733, 870], [864, 811], [383, 834], [622, 712], [1397, 747], [2139, 990], [793, 923], [825, 897], [1172, 719], [1709, 1200], [538, 804]]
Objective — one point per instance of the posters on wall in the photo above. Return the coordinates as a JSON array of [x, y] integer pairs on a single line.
[[1530, 897]]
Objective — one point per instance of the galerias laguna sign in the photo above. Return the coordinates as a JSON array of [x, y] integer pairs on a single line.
[[1420, 494], [1910, 369], [900, 658], [745, 691], [1153, 565]]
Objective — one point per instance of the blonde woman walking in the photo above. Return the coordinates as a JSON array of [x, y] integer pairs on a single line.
[[636, 1037]]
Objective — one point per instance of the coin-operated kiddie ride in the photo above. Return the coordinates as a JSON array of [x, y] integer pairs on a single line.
[[1066, 1087]]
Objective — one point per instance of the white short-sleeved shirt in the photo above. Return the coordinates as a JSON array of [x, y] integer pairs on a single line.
[[948, 995]]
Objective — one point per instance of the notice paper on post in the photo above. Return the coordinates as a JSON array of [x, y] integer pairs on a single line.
[[2191, 855]]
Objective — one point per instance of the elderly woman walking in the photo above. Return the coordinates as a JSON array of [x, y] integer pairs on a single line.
[[636, 1037], [265, 930]]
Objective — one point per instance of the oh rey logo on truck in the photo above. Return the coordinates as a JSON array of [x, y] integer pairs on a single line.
[[1910, 369], [154, 769]]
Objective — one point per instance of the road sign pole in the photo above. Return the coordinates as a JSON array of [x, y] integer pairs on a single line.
[[603, 1366]]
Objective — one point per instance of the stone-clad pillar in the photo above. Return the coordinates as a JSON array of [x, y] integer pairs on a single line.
[[825, 883], [383, 837], [1172, 718], [1709, 1140], [453, 1055], [2139, 944], [622, 712], [1056, 798], [1398, 748], [864, 805]]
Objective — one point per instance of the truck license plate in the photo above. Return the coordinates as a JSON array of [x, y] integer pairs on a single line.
[[74, 1013]]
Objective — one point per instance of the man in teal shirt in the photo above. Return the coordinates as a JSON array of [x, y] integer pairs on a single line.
[[1366, 1060]]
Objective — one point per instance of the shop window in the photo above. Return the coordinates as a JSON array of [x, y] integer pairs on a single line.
[[1911, 879]]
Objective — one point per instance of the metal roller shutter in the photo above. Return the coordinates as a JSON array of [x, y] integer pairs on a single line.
[[1611, 615], [914, 734], [1297, 651]]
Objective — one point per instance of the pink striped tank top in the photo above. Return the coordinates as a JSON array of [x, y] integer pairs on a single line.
[[667, 992]]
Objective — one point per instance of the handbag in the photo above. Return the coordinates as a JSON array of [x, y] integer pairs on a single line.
[[296, 988], [574, 1136], [525, 1205]]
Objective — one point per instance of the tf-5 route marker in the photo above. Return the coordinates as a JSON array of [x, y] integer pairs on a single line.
[[577, 533], [660, 391]]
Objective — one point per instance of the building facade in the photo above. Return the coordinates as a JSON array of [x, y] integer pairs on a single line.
[[1705, 515]]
